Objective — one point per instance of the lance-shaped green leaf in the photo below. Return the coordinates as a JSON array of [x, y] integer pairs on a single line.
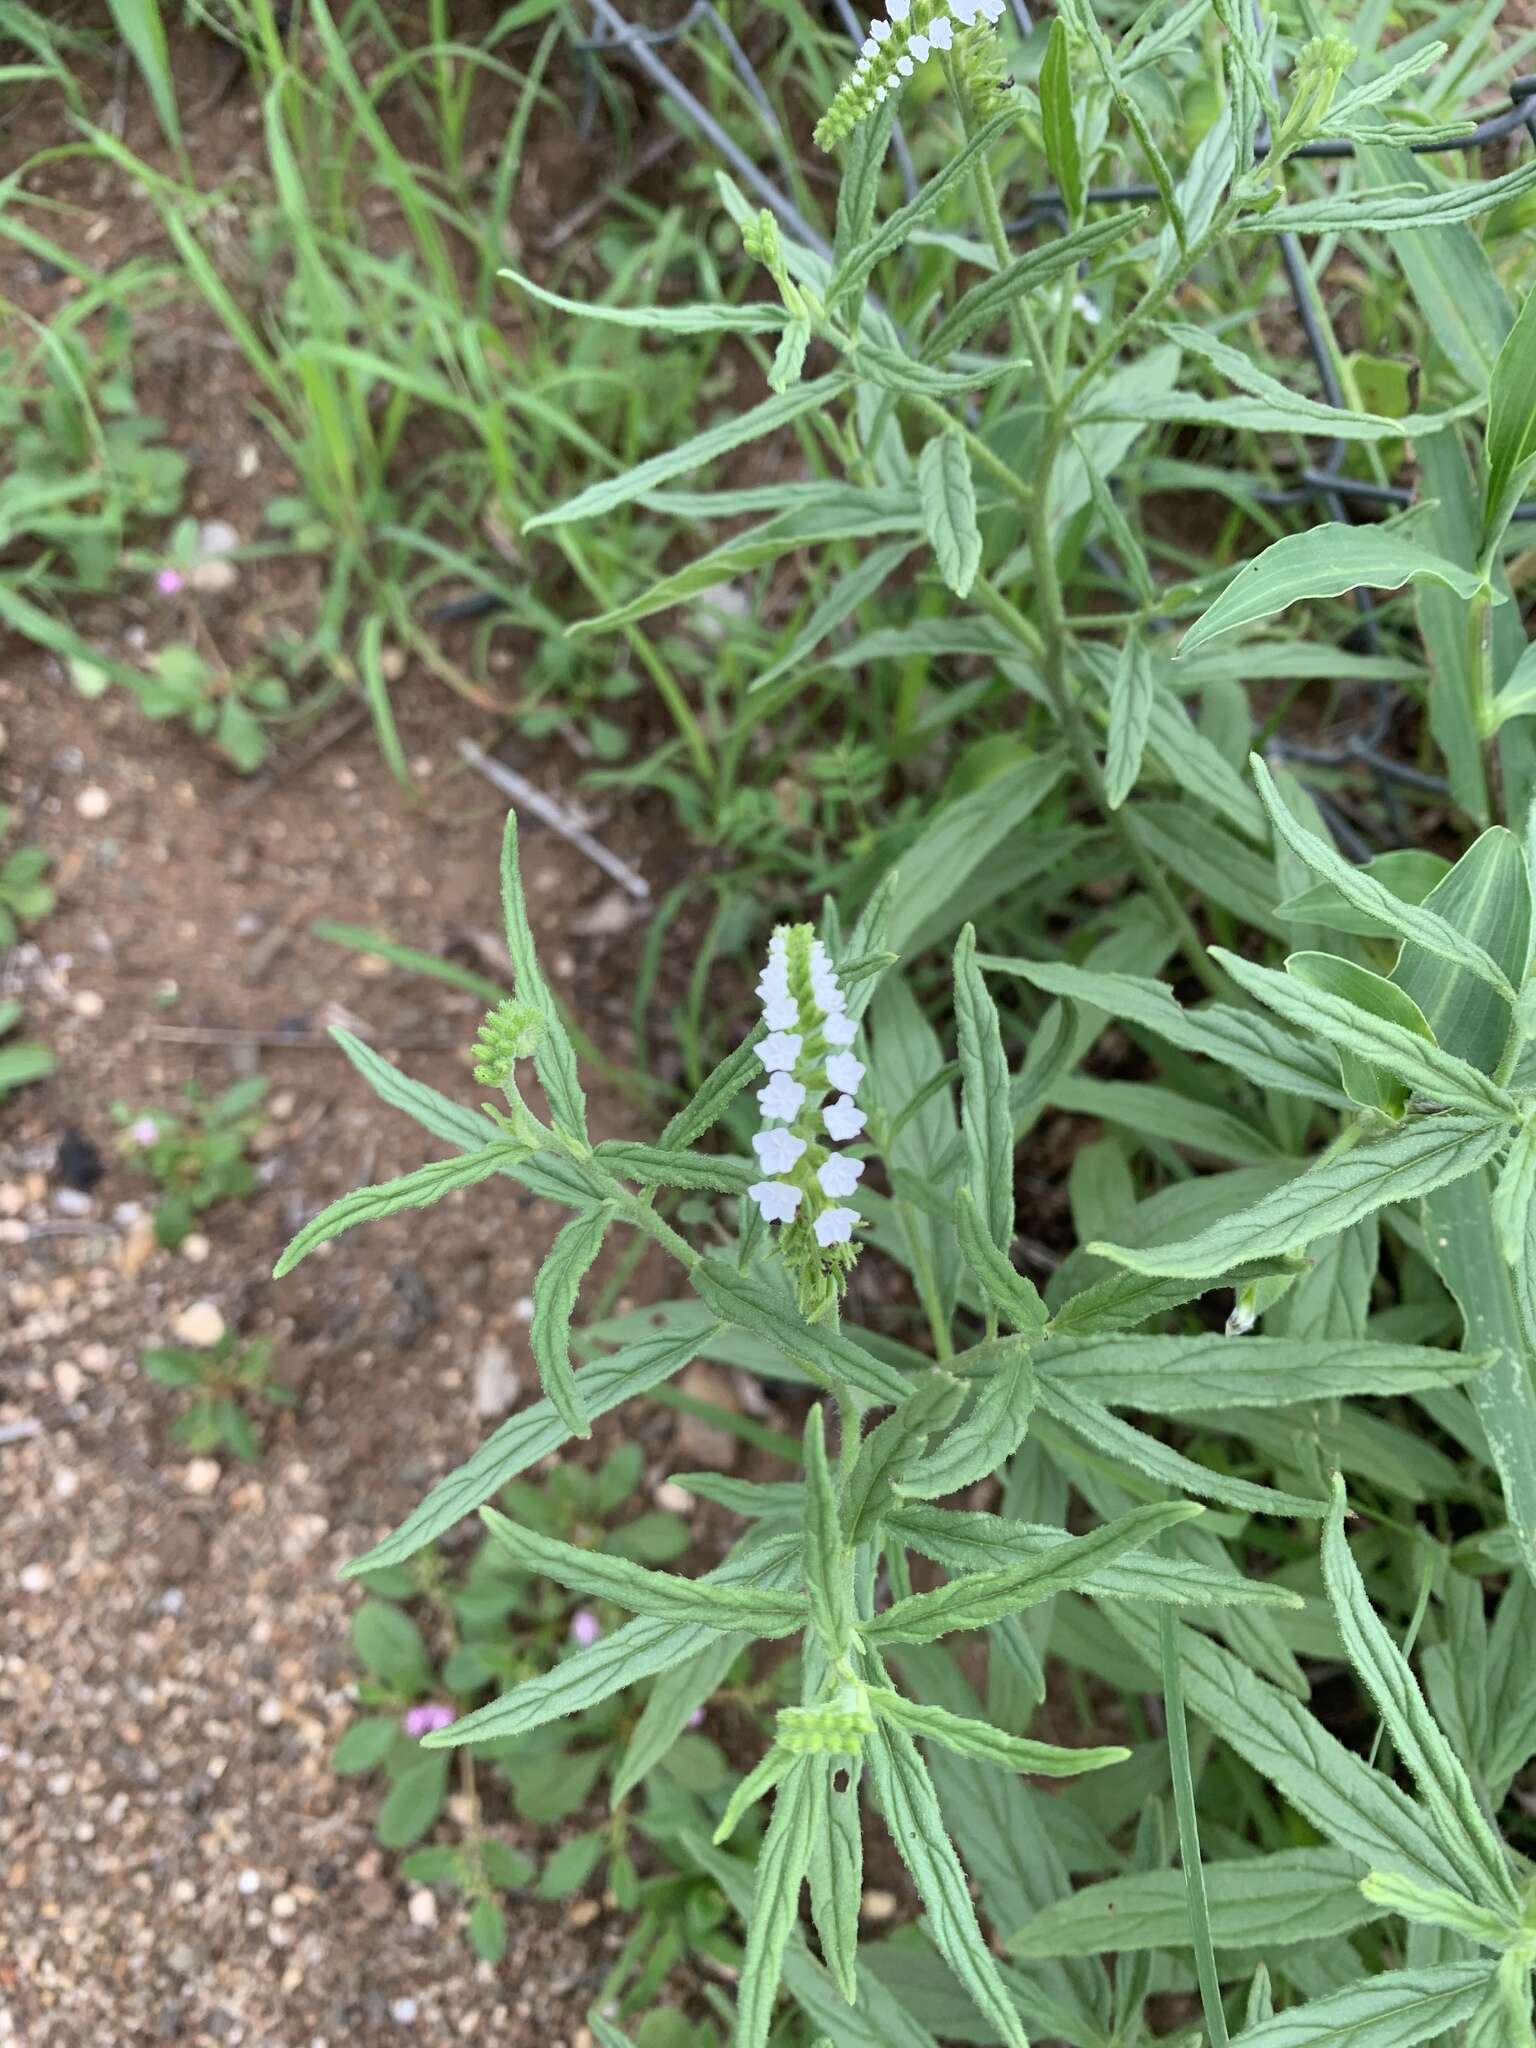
[[1503, 2015], [837, 1866], [640, 1649], [1171, 1375], [1425, 1153], [669, 1709], [912, 1813], [991, 299], [1122, 1301], [1131, 698], [1086, 20], [972, 1542], [984, 1597], [891, 1447], [1486, 898], [757, 1784], [1393, 2010], [1468, 1842], [1513, 1194], [832, 1360], [970, 1737], [1058, 120], [984, 1442], [1011, 1293], [1255, 1902], [1354, 1805], [1240, 1039], [984, 1114], [947, 496], [416, 1190], [663, 1166], [1435, 1906], [1399, 213], [828, 1560], [1382, 1088], [1411, 921], [1325, 561], [1364, 1014], [782, 1864], [659, 1596], [1127, 1445], [555, 1056], [523, 1439], [555, 1289], [734, 431], [858, 190], [1510, 441], [753, 318]]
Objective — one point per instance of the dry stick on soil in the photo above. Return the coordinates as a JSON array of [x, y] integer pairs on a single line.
[[557, 818]]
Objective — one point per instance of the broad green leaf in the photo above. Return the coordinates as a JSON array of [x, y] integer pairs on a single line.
[[828, 1562], [947, 496], [973, 1542], [837, 1866], [984, 1116], [1395, 2009], [753, 318], [989, 301], [415, 1190], [782, 1864], [1118, 1439], [1255, 1902], [1058, 120], [912, 1814], [555, 1057], [734, 431], [523, 1439], [653, 1595], [1463, 1243], [1486, 898], [983, 1442], [390, 1644], [1422, 1154], [1325, 561], [1131, 701], [555, 1290], [1465, 1838], [639, 1650], [141, 26], [984, 1597], [831, 1360], [413, 1802], [979, 1739], [1358, 1808], [1510, 440], [1170, 1375]]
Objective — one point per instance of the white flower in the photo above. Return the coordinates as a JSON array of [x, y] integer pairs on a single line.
[[880, 30], [993, 10], [779, 1051], [777, 1151], [780, 1101], [839, 1175], [781, 1014], [904, 66], [940, 34], [835, 1226], [843, 1118], [869, 46], [965, 12], [778, 1201], [880, 92], [919, 46], [898, 10], [838, 1029], [844, 1072]]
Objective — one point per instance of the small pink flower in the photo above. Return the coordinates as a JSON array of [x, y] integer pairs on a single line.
[[585, 1628], [144, 1130], [170, 582], [428, 1719], [696, 1718]]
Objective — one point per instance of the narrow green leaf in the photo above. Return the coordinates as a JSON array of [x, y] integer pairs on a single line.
[[985, 1120], [1011, 1293], [1131, 700], [415, 1190], [831, 1359], [983, 1442], [837, 1866], [555, 1058], [828, 1561], [782, 1864], [891, 1448], [1393, 2010], [979, 1739], [1399, 213], [555, 1290], [991, 299], [753, 318], [1058, 120], [1171, 1375], [947, 496]]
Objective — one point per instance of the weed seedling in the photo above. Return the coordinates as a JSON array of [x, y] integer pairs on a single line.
[[222, 1384], [198, 1159]]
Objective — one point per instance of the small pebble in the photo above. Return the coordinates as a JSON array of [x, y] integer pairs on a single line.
[[248, 1882], [35, 1578], [403, 2011], [72, 1202], [201, 1476], [68, 1380], [88, 1003], [202, 1323], [284, 1906], [93, 801], [673, 1499], [195, 1248], [422, 1909], [878, 1905]]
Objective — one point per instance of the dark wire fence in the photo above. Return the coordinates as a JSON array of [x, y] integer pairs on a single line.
[[1326, 483]]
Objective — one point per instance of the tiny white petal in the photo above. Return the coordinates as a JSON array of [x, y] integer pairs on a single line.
[[941, 35], [843, 1119], [880, 30], [992, 9], [844, 1072], [838, 1029], [964, 12], [835, 1226], [777, 1200], [781, 1100], [869, 46], [839, 1175], [904, 66], [777, 1151], [898, 10], [779, 1050], [919, 46], [781, 1013], [880, 91]]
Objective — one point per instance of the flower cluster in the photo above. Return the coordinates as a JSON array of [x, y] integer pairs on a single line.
[[806, 1054], [891, 52]]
